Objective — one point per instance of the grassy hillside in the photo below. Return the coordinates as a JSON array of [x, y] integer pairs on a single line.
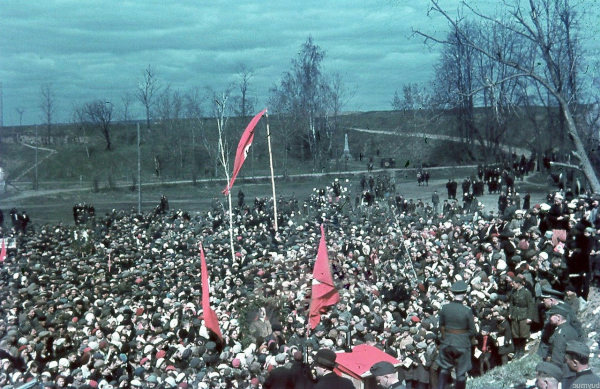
[[81, 156]]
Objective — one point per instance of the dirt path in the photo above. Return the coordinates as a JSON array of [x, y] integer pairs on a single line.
[[518, 150], [51, 152]]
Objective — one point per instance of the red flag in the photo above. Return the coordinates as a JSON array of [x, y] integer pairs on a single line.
[[3, 252], [242, 149], [324, 293], [210, 317]]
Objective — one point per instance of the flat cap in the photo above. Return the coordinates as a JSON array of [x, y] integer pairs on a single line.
[[382, 368], [549, 369]]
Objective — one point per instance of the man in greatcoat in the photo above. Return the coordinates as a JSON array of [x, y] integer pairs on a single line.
[[522, 312], [563, 333], [457, 327], [577, 358], [328, 379]]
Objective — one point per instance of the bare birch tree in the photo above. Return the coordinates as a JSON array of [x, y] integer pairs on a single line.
[[148, 89], [541, 26], [48, 108], [244, 102], [99, 113]]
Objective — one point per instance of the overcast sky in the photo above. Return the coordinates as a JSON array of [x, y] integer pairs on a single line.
[[98, 49]]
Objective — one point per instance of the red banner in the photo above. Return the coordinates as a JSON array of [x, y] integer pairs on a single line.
[[242, 149], [324, 293], [210, 317], [3, 252]]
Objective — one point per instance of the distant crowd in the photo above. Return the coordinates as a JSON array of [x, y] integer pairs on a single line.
[[115, 300]]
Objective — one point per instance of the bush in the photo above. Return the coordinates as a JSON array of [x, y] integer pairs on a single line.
[[96, 184], [111, 182]]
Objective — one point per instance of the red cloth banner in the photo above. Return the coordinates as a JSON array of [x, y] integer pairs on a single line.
[[242, 149], [210, 317], [3, 252], [324, 292]]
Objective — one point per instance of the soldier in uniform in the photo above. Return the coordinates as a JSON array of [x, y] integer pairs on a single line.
[[548, 375], [521, 312], [551, 298], [563, 333], [457, 327], [324, 365], [385, 375], [298, 338], [577, 357]]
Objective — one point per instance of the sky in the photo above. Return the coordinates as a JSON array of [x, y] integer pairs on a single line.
[[98, 49]]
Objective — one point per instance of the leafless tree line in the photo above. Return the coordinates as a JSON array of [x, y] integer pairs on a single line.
[[521, 65]]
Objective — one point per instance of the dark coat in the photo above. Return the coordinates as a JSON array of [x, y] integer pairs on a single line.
[[332, 380], [279, 378]]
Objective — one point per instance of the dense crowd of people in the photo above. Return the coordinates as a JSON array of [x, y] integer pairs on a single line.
[[116, 301]]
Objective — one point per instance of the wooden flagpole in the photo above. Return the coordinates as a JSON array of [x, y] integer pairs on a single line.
[[225, 163], [272, 174], [230, 223]]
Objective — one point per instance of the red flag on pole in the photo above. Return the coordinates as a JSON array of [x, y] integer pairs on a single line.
[[210, 317], [324, 293], [3, 252], [242, 149]]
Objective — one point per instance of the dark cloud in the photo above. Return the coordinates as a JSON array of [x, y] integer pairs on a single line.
[[98, 48]]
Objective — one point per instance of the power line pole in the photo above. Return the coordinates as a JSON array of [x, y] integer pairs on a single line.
[[1, 108], [139, 170], [36, 158], [1, 114]]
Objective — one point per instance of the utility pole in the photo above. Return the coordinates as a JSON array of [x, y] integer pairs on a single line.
[[35, 185], [1, 113], [139, 171], [1, 108]]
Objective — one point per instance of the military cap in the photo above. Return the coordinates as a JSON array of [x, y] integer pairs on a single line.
[[382, 368], [459, 287], [549, 369], [558, 311], [548, 292], [577, 348]]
